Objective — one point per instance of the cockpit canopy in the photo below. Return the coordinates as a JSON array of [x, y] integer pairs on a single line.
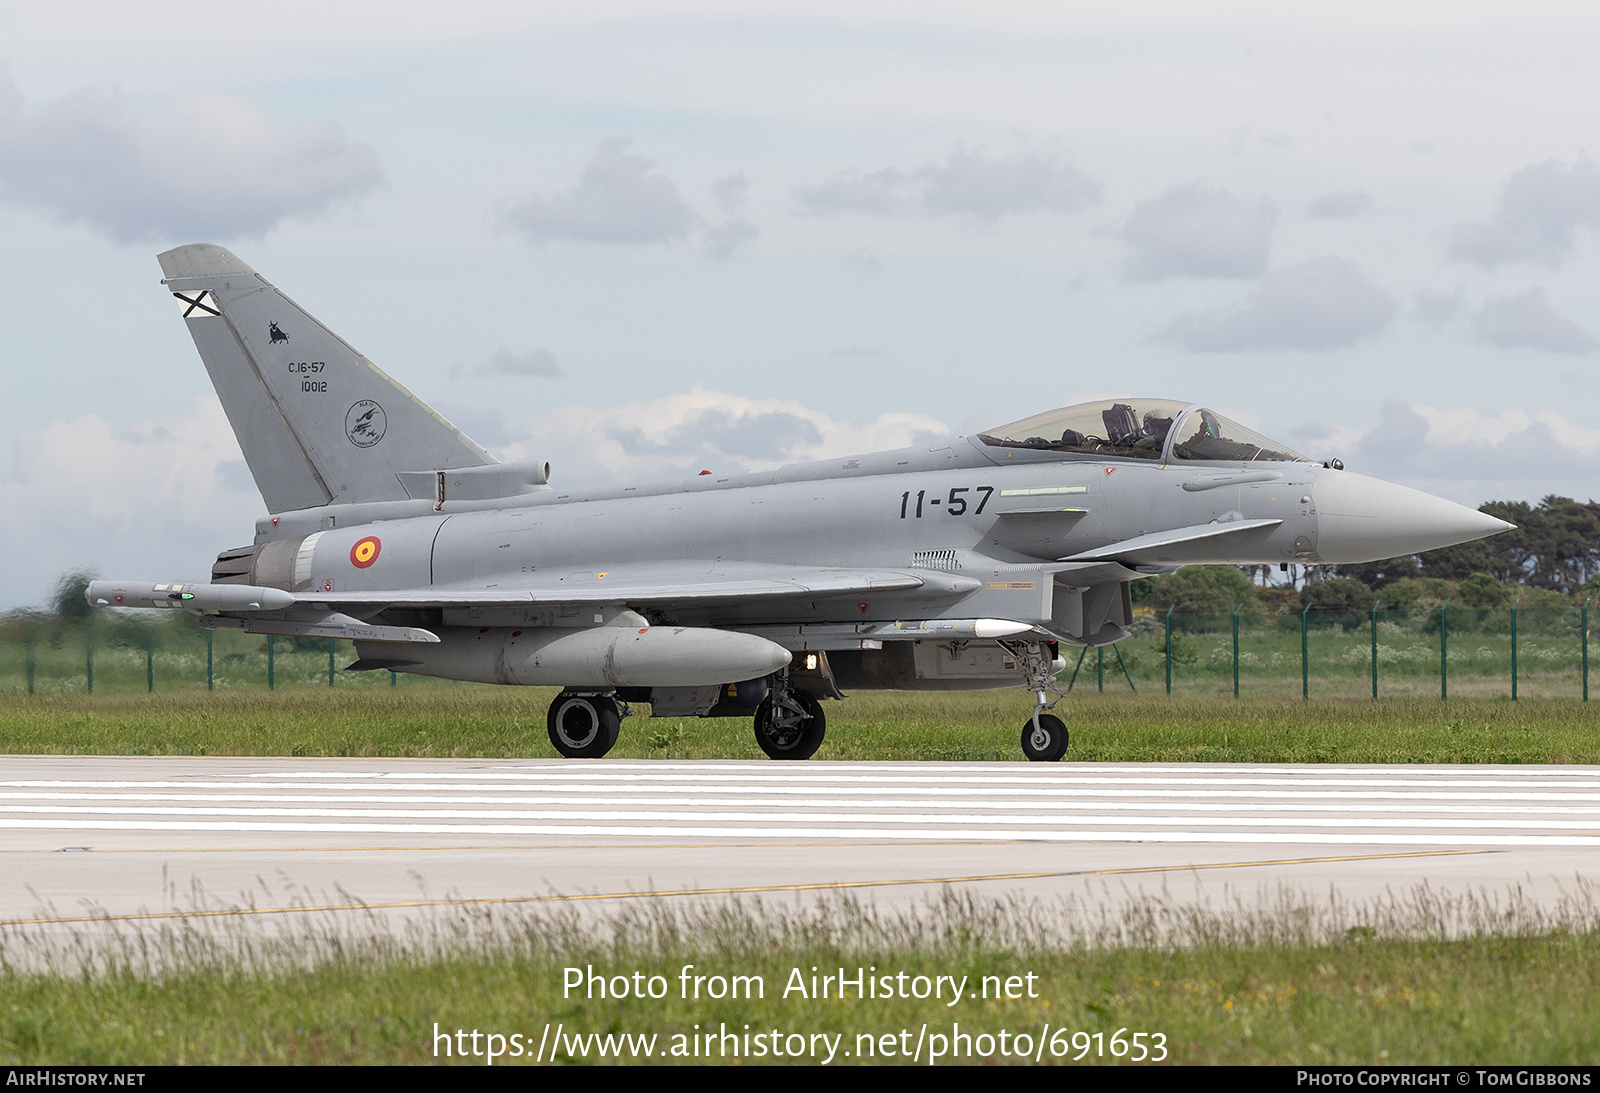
[[1140, 429]]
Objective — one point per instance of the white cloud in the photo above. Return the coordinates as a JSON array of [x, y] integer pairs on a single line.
[[620, 198], [1541, 208], [1435, 308], [1327, 441], [617, 199], [731, 192], [1472, 457], [873, 193], [195, 166], [683, 434], [1198, 232], [970, 184], [1320, 304], [157, 501], [1340, 206], [1527, 321], [539, 362], [1452, 426], [967, 184], [721, 240], [1569, 435]]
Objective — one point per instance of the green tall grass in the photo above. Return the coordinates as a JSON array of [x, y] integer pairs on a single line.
[[465, 720], [1416, 978]]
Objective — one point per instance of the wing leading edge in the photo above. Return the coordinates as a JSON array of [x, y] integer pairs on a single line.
[[656, 586], [686, 583]]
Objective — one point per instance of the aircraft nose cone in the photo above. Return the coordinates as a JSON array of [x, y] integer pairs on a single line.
[[1361, 519]]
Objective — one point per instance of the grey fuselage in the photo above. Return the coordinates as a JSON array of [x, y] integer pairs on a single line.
[[972, 520], [963, 563]]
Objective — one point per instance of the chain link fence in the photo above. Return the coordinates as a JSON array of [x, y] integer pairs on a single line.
[[113, 654], [1441, 651], [1445, 652]]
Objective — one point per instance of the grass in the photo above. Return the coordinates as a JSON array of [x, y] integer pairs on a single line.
[[468, 721], [1419, 979]]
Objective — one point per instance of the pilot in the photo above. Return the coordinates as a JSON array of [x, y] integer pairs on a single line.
[[1156, 429]]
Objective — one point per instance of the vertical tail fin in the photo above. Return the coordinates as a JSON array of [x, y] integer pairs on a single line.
[[318, 422]]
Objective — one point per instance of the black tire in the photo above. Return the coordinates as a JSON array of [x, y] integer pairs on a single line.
[[583, 726], [792, 741], [1046, 743]]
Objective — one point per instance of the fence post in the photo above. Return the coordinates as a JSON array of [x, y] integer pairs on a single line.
[[88, 657], [391, 678], [1444, 650], [1236, 611], [1514, 647], [269, 662], [1127, 675], [1081, 654], [330, 662], [149, 662], [1584, 623], [1375, 604], [210, 677], [1305, 657], [1100, 668], [1169, 648]]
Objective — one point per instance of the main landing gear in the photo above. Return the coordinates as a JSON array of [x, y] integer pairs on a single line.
[[789, 723], [585, 726]]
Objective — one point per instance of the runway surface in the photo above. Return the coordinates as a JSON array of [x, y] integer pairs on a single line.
[[143, 838]]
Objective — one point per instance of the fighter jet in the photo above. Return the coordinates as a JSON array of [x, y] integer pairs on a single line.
[[965, 563]]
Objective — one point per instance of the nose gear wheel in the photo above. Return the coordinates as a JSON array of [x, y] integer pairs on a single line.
[[1044, 738]]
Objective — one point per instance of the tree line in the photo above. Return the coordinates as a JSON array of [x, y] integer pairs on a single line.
[[1551, 559]]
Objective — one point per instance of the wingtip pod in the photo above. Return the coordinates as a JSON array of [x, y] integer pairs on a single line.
[[201, 260]]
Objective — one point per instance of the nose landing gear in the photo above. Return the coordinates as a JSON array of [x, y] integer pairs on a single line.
[[1044, 735]]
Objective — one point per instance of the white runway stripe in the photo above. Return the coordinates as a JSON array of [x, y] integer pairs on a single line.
[[790, 834], [797, 787], [726, 802], [1322, 806], [1345, 822]]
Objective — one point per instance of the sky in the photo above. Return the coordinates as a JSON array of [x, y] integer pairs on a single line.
[[644, 239]]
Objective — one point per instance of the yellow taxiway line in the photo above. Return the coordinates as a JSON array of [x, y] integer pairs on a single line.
[[732, 891]]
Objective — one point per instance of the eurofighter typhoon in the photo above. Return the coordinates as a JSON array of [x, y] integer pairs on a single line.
[[961, 564]]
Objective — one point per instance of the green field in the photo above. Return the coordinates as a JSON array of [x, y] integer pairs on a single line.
[[462, 720], [1414, 981], [1326, 655], [1394, 983], [476, 720]]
